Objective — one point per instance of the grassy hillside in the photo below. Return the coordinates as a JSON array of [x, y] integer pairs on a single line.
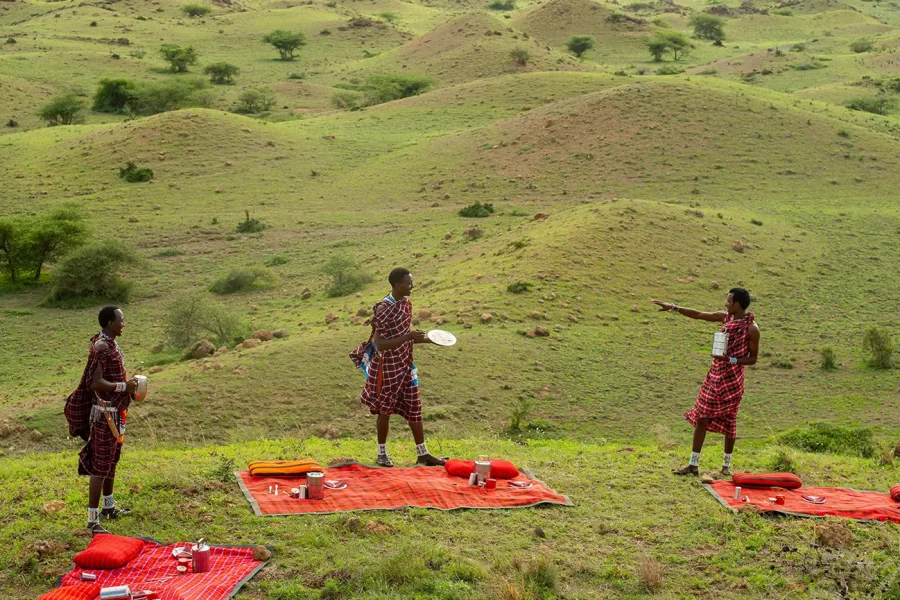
[[611, 184]]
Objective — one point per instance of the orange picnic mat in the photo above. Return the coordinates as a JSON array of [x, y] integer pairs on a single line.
[[839, 502], [372, 488]]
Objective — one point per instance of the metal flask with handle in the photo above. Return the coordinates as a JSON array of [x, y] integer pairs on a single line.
[[200, 557], [315, 485], [141, 392]]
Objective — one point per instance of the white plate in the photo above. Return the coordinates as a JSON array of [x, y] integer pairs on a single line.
[[176, 552], [441, 337]]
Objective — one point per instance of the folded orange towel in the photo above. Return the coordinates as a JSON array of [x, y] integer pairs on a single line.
[[284, 467]]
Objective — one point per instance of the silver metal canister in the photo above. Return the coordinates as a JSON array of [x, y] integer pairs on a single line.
[[116, 593], [720, 343], [315, 485], [200, 558], [88, 577], [737, 493], [482, 470], [141, 392]]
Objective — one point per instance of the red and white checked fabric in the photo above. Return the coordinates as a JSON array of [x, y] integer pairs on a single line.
[[839, 502], [370, 488], [391, 386], [722, 390], [230, 567]]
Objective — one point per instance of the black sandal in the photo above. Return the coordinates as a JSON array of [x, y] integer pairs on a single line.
[[96, 529], [688, 470], [431, 461], [384, 461], [115, 512]]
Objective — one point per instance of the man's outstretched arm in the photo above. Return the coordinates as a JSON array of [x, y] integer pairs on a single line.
[[691, 313]]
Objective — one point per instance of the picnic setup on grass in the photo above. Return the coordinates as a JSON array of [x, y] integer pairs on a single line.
[[116, 567]]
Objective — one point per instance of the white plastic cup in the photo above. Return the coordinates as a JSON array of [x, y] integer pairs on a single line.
[[737, 493]]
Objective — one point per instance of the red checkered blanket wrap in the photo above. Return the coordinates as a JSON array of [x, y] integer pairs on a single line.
[[722, 390], [392, 386], [102, 451]]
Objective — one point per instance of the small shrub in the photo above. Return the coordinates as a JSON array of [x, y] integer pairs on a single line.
[[112, 95], [134, 174], [249, 225], [502, 5], [169, 252], [195, 10], [163, 96], [878, 347], [877, 105], [477, 210], [843, 133], [347, 277], [388, 16], [579, 44], [798, 47], [862, 45], [93, 23], [782, 363], [204, 98], [92, 273], [669, 70], [828, 358], [520, 56], [781, 462], [650, 573], [473, 233], [386, 88], [64, 109], [832, 439], [541, 578], [346, 100], [195, 316], [242, 280], [277, 260], [296, 76], [286, 42], [519, 414], [138, 53], [325, 32], [662, 23], [255, 100], [179, 57], [221, 73], [784, 12], [224, 470], [756, 222], [810, 66], [708, 72], [519, 287], [10, 40]]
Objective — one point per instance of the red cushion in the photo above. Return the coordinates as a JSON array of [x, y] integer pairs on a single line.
[[788, 481], [895, 493], [77, 591], [500, 469], [108, 551]]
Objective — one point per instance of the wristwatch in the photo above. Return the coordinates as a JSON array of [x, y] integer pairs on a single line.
[[732, 360]]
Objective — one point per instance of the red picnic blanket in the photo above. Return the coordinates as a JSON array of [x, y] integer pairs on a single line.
[[154, 569], [839, 502], [371, 488]]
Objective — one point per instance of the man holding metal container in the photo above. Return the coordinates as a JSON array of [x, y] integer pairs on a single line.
[[97, 411], [736, 346], [392, 383]]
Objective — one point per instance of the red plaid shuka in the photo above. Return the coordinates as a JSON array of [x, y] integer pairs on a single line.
[[100, 455], [392, 386], [722, 390]]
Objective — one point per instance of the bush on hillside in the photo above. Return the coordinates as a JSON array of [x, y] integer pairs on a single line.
[[195, 10], [386, 88], [388, 16], [669, 70], [784, 12], [203, 98], [91, 273], [196, 316], [179, 57], [242, 280], [249, 225], [828, 358], [807, 66], [29, 243], [346, 100], [221, 73], [862, 45], [112, 95], [477, 210], [520, 55], [286, 42], [877, 105], [346, 276], [832, 439], [255, 100], [579, 44], [10, 40], [163, 96], [519, 287], [134, 174], [709, 27], [502, 5], [878, 347], [64, 109]]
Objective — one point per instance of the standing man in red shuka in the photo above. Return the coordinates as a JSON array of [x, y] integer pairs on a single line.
[[720, 395], [102, 398], [392, 382]]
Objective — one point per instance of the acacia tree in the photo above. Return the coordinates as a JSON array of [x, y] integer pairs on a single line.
[[579, 44], [657, 47], [62, 110], [221, 72], [709, 27], [179, 57], [286, 42]]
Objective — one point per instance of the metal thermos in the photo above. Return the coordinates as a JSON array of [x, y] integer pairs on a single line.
[[116, 593], [315, 486], [720, 343], [482, 470], [141, 392], [200, 558]]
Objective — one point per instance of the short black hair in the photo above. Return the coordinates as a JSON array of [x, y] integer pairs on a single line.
[[741, 296], [397, 275], [107, 315]]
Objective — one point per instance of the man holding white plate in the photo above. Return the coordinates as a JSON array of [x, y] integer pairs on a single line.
[[392, 383]]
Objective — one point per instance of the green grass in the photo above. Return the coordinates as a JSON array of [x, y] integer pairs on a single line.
[[647, 184]]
